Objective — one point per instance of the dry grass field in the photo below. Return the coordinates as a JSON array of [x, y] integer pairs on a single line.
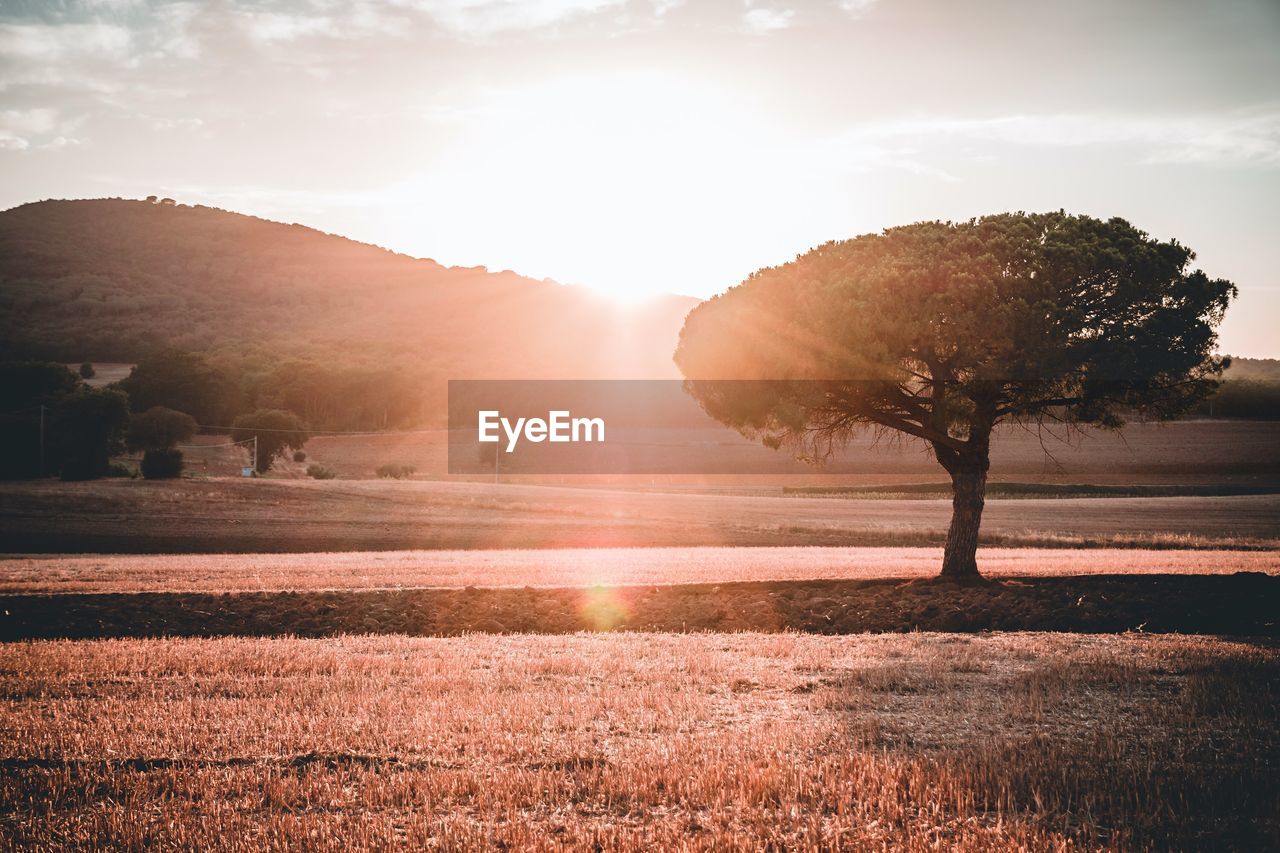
[[634, 741], [1178, 452], [263, 516], [579, 567]]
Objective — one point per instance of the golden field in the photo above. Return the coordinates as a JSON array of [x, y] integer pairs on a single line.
[[637, 741]]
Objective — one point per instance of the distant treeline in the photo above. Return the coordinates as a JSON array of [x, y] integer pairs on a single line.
[[325, 396], [53, 423], [1249, 399]]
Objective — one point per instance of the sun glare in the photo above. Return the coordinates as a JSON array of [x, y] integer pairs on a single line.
[[579, 172]]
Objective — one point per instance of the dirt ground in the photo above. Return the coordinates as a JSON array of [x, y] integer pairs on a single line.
[[1246, 603]]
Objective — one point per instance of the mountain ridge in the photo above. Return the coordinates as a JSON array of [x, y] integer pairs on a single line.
[[116, 279]]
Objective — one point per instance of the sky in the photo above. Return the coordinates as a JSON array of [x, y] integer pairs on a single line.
[[662, 146]]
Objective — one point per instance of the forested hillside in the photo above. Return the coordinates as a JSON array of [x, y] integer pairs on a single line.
[[114, 280]]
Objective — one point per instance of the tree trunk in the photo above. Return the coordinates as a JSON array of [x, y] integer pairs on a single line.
[[969, 485]]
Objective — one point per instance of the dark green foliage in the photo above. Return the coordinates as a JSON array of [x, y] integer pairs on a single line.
[[88, 427], [187, 382], [24, 388], [159, 428], [320, 472], [339, 397], [299, 456], [277, 431], [940, 330], [392, 471], [27, 384], [87, 371], [162, 464]]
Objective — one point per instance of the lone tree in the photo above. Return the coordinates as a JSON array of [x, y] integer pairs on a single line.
[[277, 431], [938, 331], [156, 432]]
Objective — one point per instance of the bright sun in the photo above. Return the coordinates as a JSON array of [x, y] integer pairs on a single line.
[[577, 173]]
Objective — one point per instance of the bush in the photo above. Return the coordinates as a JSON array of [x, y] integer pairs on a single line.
[[320, 472], [119, 469], [395, 472], [162, 464], [299, 456], [87, 371]]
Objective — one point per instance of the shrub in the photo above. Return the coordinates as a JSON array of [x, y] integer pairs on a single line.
[[119, 469], [320, 472], [87, 371], [299, 456], [162, 464], [395, 472]]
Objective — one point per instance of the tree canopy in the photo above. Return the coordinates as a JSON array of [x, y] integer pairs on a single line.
[[159, 428], [277, 432], [939, 330]]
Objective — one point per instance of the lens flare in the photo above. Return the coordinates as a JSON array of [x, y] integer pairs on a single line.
[[603, 608]]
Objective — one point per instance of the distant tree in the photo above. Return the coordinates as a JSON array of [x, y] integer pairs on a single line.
[[87, 428], [184, 381], [30, 383], [87, 371], [299, 456], [938, 331], [156, 432], [159, 428], [25, 387], [277, 432], [393, 471]]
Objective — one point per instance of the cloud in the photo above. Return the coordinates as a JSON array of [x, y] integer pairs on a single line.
[[21, 129], [1232, 137], [47, 43], [768, 20], [856, 8], [482, 18]]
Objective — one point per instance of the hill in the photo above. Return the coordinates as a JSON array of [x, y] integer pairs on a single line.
[[113, 280]]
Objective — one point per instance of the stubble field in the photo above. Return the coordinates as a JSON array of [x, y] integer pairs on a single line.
[[634, 741]]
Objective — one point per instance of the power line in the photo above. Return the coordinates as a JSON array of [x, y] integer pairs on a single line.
[[314, 432], [204, 446]]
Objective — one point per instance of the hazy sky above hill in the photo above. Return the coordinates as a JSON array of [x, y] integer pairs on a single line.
[[647, 146]]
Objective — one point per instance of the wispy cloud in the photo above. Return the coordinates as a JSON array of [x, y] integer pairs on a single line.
[[34, 128], [483, 18], [45, 42], [1227, 137], [856, 8], [768, 20]]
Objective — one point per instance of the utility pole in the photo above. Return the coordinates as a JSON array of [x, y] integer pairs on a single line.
[[42, 439], [255, 454]]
